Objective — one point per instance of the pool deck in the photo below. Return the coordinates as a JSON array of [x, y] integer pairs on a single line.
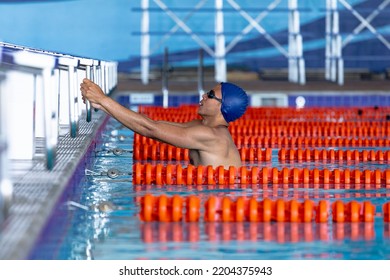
[[37, 190]]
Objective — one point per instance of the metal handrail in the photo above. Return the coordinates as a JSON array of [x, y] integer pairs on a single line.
[[200, 74], [51, 126], [40, 64], [6, 187], [73, 106], [164, 78], [43, 72], [87, 64], [6, 193], [87, 103], [68, 65]]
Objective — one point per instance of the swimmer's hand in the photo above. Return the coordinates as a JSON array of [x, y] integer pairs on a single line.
[[104, 206], [93, 93]]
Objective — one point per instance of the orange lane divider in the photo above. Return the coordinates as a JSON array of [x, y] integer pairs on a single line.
[[254, 232], [181, 113], [328, 115], [249, 209], [225, 210], [340, 155], [307, 142], [169, 209], [218, 209], [165, 152], [259, 123], [353, 211], [305, 130], [386, 212], [170, 232], [289, 142], [159, 151], [270, 191], [206, 175], [319, 114], [255, 154]]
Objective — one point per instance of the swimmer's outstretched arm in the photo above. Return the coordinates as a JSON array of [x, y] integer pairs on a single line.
[[189, 135], [184, 124]]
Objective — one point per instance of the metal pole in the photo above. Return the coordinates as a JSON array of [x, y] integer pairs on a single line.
[[89, 76], [334, 65], [164, 77], [296, 68], [336, 51], [292, 43], [6, 187], [200, 74], [340, 62], [51, 138], [145, 42], [220, 51], [328, 29], [73, 114]]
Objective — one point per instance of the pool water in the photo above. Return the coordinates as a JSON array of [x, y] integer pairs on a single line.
[[98, 216]]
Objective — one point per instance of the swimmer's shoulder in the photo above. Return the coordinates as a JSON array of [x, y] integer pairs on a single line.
[[193, 123]]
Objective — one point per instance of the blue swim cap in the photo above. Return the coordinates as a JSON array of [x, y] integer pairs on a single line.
[[234, 101]]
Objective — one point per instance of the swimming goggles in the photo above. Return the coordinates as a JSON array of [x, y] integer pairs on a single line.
[[211, 95]]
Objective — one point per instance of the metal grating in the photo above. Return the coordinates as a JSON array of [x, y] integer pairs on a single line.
[[36, 189]]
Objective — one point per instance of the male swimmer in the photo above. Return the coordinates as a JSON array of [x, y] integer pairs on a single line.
[[208, 140]]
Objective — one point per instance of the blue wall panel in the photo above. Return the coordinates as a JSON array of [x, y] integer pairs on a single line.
[[110, 30]]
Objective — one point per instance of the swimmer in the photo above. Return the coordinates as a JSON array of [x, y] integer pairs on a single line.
[[208, 140], [104, 206]]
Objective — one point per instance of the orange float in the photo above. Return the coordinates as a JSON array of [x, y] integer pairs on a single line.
[[177, 175], [321, 211], [386, 212], [192, 208], [338, 214]]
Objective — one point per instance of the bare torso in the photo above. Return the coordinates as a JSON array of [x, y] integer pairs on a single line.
[[222, 153], [208, 139]]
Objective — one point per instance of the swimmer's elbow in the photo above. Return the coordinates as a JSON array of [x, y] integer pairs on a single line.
[[150, 129]]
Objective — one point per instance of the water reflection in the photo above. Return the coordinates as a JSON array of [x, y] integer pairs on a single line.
[[153, 232]]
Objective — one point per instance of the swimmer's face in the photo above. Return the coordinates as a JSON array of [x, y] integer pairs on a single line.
[[214, 93], [211, 95], [211, 101]]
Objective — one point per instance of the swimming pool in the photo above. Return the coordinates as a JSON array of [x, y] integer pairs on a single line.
[[98, 215]]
